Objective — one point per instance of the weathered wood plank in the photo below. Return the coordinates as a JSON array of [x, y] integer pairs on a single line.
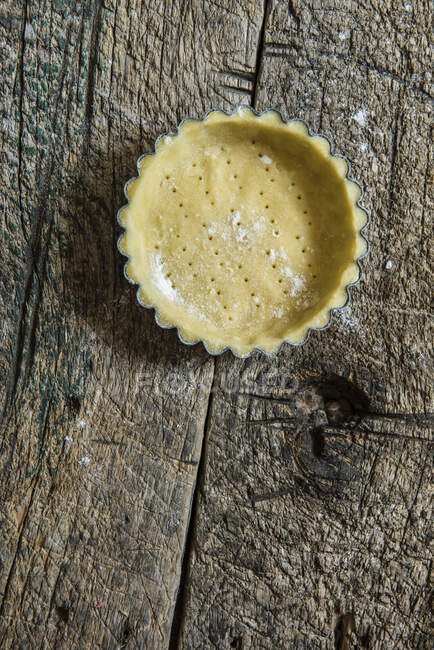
[[312, 522], [103, 412]]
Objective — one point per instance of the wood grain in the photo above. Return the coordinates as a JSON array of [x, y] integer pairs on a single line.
[[150, 495]]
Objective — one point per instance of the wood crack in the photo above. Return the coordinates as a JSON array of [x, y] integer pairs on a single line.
[[406, 417], [235, 74], [236, 89], [33, 255], [267, 496], [180, 604], [90, 80], [348, 433], [293, 13], [21, 117], [393, 159], [260, 52], [114, 45], [35, 311]]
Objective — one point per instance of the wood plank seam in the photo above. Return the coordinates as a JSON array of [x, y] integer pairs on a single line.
[[189, 540], [260, 51]]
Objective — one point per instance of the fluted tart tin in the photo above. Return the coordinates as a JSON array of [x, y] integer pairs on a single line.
[[243, 231]]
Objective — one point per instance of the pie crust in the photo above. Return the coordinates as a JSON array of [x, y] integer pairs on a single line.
[[242, 231]]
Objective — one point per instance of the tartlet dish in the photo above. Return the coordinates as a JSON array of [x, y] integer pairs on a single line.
[[243, 231]]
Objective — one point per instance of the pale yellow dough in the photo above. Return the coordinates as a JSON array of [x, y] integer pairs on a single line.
[[242, 231]]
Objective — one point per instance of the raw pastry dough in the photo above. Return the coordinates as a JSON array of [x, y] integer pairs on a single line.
[[242, 231]]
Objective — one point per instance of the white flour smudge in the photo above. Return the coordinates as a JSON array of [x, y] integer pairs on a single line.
[[196, 312], [234, 218], [350, 321], [279, 254], [266, 159], [29, 32], [84, 462], [389, 264], [259, 225], [298, 281], [343, 36], [241, 234], [417, 353], [360, 117], [298, 284], [81, 424], [161, 281], [363, 147]]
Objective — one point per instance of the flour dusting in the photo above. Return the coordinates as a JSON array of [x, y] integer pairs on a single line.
[[160, 279], [298, 281], [84, 462], [259, 225], [280, 254], [360, 117], [29, 32], [244, 233], [266, 160], [241, 234], [234, 218], [389, 264], [418, 354], [349, 320]]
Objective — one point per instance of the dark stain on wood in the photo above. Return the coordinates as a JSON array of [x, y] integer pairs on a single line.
[[63, 613]]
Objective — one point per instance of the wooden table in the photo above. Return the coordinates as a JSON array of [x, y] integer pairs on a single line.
[[153, 496]]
